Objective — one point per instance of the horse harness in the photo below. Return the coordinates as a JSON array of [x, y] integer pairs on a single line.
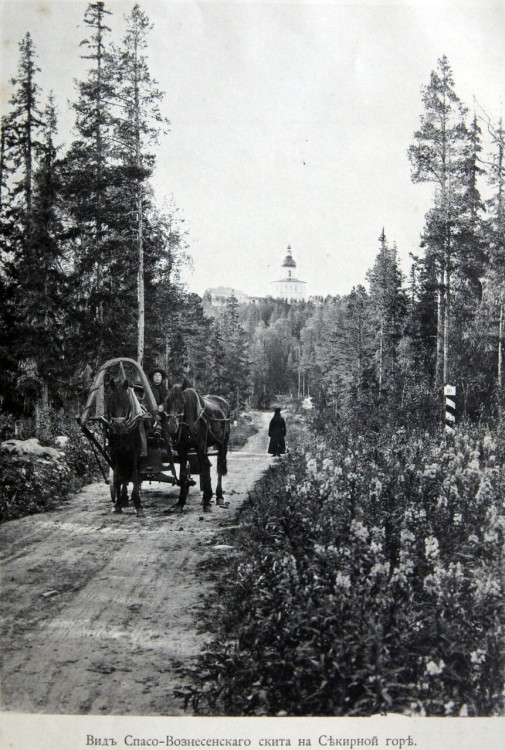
[[130, 422], [206, 419]]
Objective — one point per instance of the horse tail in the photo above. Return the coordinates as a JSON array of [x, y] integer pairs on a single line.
[[222, 463]]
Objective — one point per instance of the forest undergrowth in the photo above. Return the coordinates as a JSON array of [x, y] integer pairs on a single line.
[[369, 579], [31, 483]]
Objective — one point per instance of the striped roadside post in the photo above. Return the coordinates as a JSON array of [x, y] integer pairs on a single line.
[[450, 408]]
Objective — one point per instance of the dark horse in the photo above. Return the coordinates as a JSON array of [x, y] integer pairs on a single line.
[[199, 422], [123, 417]]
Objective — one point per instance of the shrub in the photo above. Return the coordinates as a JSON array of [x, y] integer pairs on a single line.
[[30, 485], [369, 580]]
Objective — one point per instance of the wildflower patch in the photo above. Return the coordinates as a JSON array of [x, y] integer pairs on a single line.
[[370, 580]]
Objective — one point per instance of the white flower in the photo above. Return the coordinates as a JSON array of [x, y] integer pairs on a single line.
[[449, 708], [417, 709], [490, 537], [478, 656], [486, 585], [312, 465], [433, 668], [359, 530], [343, 581], [431, 547], [379, 569], [407, 536]]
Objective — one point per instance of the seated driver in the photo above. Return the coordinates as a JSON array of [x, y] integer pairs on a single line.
[[160, 392], [158, 387]]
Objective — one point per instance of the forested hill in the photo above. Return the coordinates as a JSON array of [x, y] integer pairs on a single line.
[[91, 265]]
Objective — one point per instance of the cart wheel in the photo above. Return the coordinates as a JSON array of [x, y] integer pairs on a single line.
[[112, 489]]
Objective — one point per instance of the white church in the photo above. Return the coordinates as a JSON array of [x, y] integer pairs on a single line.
[[289, 287]]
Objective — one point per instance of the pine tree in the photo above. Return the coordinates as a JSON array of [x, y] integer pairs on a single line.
[[492, 311], [439, 156]]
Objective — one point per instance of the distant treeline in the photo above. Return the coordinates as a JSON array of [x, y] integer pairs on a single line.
[[90, 264]]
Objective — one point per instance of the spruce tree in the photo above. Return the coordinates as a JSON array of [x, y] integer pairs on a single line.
[[94, 205], [236, 365], [137, 125], [19, 147], [387, 311]]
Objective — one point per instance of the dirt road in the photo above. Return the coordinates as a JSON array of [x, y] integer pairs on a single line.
[[99, 610]]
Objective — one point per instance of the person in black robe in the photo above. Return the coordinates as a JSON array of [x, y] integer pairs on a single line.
[[277, 433]]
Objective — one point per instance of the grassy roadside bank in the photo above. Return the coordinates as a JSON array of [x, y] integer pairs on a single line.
[[365, 579]]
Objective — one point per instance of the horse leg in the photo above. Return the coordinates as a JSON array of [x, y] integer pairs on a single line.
[[136, 482], [222, 469], [117, 493], [137, 499], [183, 480], [205, 481], [124, 495]]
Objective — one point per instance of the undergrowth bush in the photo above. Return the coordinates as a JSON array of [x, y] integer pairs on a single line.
[[31, 484], [78, 451], [370, 579]]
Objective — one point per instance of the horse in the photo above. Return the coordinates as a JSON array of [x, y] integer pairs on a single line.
[[123, 420], [198, 422]]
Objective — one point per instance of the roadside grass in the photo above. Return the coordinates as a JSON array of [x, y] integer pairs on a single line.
[[369, 578], [242, 431]]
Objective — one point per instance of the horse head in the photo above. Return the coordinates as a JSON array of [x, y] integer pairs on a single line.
[[174, 410], [119, 406]]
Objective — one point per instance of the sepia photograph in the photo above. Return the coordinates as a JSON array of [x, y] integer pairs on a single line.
[[252, 440]]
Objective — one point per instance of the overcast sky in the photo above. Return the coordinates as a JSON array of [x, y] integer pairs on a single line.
[[290, 121]]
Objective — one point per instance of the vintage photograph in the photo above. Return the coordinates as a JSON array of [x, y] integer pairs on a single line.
[[252, 446]]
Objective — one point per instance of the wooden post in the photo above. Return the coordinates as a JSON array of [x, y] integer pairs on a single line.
[[450, 408]]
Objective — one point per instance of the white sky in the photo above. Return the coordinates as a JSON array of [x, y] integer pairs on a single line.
[[290, 121]]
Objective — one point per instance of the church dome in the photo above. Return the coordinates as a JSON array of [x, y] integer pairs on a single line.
[[288, 260], [288, 287]]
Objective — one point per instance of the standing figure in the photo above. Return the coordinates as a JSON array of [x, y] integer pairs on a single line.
[[277, 433]]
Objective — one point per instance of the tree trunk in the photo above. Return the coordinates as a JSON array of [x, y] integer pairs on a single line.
[[381, 355], [447, 308], [440, 331], [141, 303], [499, 376], [41, 407]]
